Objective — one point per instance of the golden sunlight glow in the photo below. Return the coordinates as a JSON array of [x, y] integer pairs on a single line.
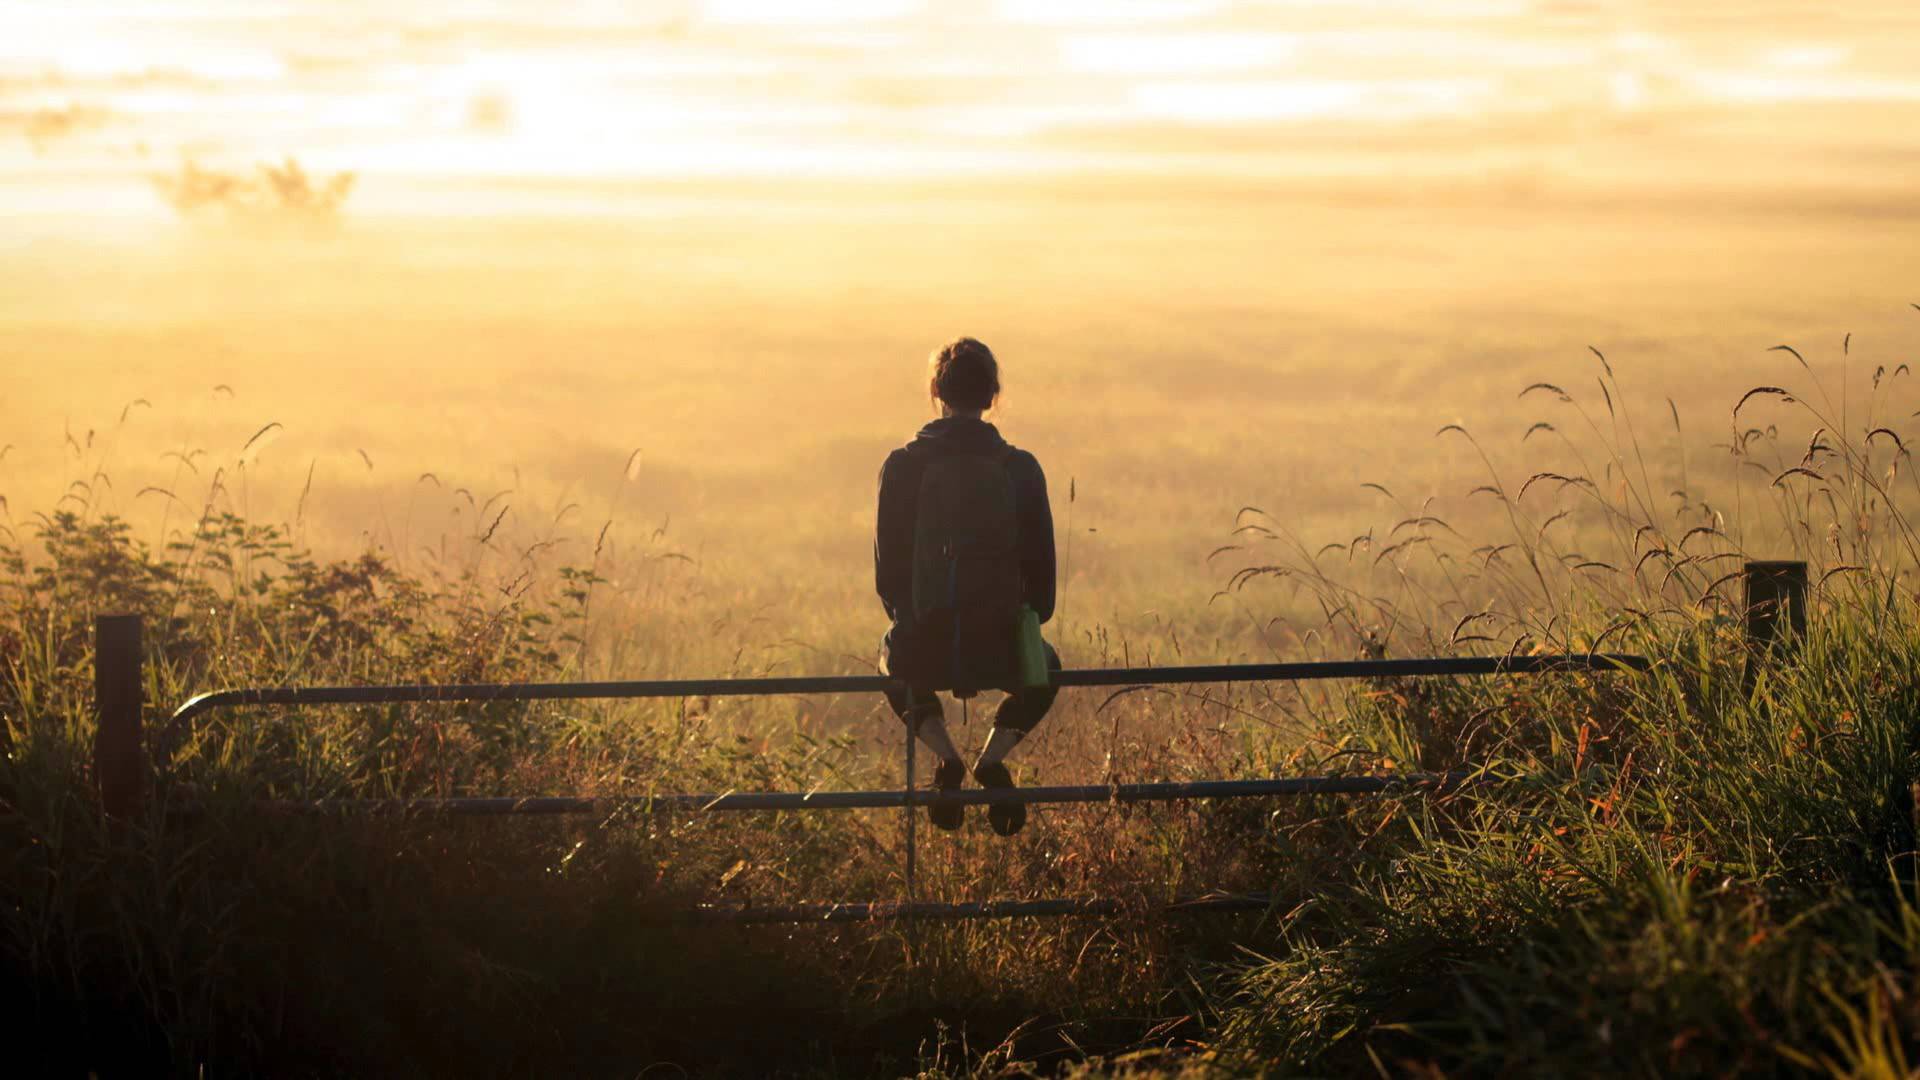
[[97, 95], [367, 266]]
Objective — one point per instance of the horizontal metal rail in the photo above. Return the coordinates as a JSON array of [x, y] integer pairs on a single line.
[[845, 684], [909, 798], [1170, 791], [979, 909]]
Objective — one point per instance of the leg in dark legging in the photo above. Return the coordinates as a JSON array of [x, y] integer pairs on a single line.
[[926, 720], [1022, 708], [1025, 706], [919, 708]]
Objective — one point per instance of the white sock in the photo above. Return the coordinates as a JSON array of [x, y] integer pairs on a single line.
[[999, 744], [933, 734]]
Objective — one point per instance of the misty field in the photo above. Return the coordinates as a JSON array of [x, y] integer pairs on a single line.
[[420, 452], [1176, 355]]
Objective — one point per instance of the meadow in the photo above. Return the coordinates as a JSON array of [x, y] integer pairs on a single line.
[[1297, 427]]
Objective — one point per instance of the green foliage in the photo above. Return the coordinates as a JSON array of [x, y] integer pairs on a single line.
[[1708, 868], [1716, 892]]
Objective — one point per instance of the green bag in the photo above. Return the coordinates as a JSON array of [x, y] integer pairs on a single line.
[[1031, 656]]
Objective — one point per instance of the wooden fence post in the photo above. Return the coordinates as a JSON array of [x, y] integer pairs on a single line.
[[1776, 611], [119, 746]]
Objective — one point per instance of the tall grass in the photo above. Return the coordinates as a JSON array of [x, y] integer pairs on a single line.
[[244, 942], [1705, 869]]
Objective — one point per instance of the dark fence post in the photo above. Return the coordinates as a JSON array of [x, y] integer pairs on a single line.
[[1776, 611], [913, 736], [119, 765]]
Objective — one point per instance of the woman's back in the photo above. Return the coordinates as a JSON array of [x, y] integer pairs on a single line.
[[962, 512], [901, 480]]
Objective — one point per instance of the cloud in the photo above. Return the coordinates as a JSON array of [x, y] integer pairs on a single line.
[[45, 126], [489, 114], [1177, 53], [1096, 12], [271, 195], [762, 12], [1275, 100]]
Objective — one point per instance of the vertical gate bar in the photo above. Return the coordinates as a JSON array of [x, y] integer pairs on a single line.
[[1776, 603], [913, 736], [119, 768]]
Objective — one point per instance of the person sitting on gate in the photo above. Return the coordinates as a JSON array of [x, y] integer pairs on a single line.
[[964, 539]]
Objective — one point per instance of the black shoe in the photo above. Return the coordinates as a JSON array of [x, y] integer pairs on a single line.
[[1006, 817], [946, 813]]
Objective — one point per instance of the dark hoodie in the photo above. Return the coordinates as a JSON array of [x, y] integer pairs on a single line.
[[900, 488]]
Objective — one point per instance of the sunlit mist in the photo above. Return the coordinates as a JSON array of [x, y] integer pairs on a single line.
[[428, 99], [1230, 255]]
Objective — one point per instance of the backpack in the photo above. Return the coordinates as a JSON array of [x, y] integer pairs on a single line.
[[966, 570]]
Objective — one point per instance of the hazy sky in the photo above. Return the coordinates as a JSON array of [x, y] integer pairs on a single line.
[[423, 99]]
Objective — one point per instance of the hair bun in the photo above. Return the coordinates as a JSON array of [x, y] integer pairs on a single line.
[[965, 375]]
